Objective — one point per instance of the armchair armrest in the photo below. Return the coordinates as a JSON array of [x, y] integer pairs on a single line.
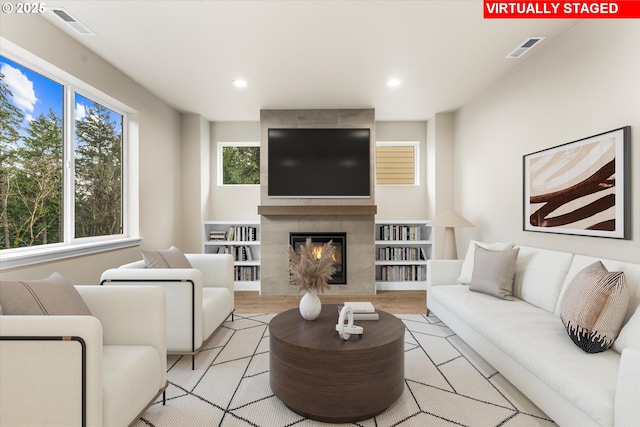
[[217, 269], [443, 271], [130, 315], [43, 382]]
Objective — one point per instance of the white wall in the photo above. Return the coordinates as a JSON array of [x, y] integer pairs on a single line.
[[585, 83], [237, 202], [404, 201], [158, 151], [394, 202], [196, 180]]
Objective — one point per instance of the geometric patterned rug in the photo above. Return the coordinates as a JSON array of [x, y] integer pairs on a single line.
[[446, 384]]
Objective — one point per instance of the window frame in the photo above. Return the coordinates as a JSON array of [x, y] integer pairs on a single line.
[[219, 164], [71, 246], [416, 161]]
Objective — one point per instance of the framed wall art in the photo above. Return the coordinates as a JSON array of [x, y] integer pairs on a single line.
[[581, 187]]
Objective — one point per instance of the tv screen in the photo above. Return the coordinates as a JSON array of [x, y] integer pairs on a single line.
[[319, 163]]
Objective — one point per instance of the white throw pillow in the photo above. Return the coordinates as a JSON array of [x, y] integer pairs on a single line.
[[467, 266]]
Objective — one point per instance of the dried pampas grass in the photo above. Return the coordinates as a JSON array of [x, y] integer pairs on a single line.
[[308, 272]]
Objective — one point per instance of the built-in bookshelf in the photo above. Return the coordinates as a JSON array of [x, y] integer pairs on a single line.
[[402, 249], [241, 239]]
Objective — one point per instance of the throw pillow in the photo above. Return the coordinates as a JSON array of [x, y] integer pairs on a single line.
[[467, 266], [593, 307], [493, 272], [50, 296], [170, 258]]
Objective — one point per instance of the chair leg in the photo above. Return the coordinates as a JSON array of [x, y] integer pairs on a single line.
[[193, 362], [164, 398]]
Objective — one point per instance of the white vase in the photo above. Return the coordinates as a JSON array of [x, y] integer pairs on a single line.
[[310, 306]]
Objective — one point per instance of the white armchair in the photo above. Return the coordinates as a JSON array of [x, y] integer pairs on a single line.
[[100, 370], [199, 299]]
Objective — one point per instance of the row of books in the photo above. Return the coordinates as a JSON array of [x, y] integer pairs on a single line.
[[245, 273], [240, 233], [400, 232], [403, 273], [394, 253], [239, 253]]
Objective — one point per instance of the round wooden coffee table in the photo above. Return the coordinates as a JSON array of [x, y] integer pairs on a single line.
[[320, 376]]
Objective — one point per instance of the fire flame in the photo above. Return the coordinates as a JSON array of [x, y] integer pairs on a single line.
[[317, 252]]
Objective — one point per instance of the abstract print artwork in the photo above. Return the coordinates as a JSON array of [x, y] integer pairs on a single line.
[[579, 187]]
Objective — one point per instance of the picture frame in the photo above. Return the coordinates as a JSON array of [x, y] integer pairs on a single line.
[[581, 187]]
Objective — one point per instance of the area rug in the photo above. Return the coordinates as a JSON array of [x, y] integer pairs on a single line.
[[446, 384]]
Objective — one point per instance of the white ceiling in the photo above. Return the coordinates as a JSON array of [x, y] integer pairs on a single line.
[[307, 54]]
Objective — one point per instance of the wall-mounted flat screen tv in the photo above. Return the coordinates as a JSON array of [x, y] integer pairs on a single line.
[[319, 163]]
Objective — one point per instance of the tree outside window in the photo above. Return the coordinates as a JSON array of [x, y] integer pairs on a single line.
[[240, 163], [32, 174]]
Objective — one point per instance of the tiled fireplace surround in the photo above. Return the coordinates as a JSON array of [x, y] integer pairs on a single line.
[[280, 216]]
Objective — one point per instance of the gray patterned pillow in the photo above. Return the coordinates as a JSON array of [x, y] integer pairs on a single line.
[[593, 307], [171, 258]]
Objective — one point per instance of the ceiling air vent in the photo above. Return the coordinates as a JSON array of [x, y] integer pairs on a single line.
[[524, 47], [72, 22]]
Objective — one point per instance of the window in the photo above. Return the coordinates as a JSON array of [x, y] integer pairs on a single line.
[[397, 163], [238, 163], [61, 177]]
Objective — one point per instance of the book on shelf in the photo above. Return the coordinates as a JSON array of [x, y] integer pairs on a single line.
[[217, 235], [399, 232], [239, 253], [242, 233], [361, 315]]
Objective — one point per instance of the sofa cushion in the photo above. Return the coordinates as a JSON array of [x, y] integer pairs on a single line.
[[629, 332], [467, 266], [493, 272], [170, 258], [594, 306], [543, 350], [539, 276], [130, 381], [51, 296]]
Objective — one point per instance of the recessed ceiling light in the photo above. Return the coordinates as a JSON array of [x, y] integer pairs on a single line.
[[393, 83], [239, 83]]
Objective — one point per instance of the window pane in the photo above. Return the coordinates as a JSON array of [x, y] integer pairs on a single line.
[[395, 164], [98, 169], [31, 160], [240, 165]]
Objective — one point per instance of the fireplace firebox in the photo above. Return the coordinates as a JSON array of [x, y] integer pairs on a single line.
[[298, 239]]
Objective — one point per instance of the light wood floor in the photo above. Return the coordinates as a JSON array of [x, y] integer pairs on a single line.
[[396, 302]]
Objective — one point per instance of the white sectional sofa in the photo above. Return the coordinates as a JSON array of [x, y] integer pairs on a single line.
[[526, 341]]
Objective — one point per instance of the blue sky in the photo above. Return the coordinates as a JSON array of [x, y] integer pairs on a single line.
[[32, 93], [35, 94]]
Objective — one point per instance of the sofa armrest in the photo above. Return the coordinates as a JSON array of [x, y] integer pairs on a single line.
[[443, 272], [217, 269], [627, 400], [42, 373], [130, 315]]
